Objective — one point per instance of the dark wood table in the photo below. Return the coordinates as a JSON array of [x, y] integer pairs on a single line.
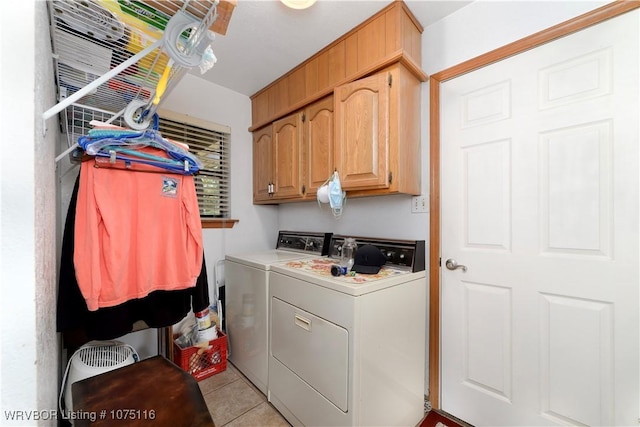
[[152, 392]]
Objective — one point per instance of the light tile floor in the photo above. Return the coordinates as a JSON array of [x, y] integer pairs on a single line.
[[233, 401]]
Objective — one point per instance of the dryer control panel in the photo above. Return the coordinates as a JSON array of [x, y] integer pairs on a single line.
[[405, 254]]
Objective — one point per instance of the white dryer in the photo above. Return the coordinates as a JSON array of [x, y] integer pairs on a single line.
[[246, 305], [349, 350]]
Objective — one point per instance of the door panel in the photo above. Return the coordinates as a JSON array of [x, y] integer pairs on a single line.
[[287, 139], [539, 201], [589, 184], [262, 163], [576, 359], [319, 143], [362, 132], [313, 348], [488, 196]]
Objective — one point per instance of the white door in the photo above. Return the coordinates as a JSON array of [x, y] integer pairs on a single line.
[[539, 201]]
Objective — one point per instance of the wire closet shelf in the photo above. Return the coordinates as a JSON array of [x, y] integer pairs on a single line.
[[118, 59]]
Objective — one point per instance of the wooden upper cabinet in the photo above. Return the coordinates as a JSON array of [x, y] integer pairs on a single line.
[[362, 132], [280, 96], [391, 35], [377, 131], [318, 144], [352, 107], [260, 107], [409, 36], [287, 157], [371, 43], [297, 87], [262, 164], [324, 70]]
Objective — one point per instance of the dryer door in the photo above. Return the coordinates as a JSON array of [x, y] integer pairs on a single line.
[[314, 349]]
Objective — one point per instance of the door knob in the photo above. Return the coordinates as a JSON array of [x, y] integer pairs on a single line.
[[452, 264]]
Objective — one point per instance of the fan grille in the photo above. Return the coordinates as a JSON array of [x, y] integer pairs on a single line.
[[104, 356]]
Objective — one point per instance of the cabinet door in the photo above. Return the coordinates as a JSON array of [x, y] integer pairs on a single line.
[[362, 132], [318, 144], [262, 163], [287, 137]]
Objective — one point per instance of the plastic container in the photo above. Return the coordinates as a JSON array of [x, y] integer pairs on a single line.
[[348, 253], [203, 319], [202, 361], [206, 335]]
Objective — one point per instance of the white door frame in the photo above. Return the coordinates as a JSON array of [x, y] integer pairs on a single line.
[[583, 21]]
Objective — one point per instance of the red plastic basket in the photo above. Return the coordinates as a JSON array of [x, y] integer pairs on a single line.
[[203, 361]]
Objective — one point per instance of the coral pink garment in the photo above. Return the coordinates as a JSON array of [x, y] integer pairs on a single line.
[[135, 233]]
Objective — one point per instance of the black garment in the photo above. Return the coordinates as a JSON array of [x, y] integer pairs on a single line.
[[157, 310]]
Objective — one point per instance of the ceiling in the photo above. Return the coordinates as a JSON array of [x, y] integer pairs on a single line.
[[265, 39]]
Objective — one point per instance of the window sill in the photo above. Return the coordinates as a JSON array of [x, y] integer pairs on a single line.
[[218, 223]]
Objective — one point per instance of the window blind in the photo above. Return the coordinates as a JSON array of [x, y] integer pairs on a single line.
[[212, 148]]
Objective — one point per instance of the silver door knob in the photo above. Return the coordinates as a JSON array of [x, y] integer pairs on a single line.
[[452, 264]]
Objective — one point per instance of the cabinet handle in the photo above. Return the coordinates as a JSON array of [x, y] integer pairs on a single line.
[[302, 322]]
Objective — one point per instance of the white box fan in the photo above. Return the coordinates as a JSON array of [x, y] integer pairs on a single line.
[[93, 358]]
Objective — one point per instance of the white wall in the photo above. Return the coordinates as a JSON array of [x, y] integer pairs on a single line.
[[29, 355], [257, 226], [488, 24]]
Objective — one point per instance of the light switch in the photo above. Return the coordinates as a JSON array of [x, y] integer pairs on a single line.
[[420, 204]]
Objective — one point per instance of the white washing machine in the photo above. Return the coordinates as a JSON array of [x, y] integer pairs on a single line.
[[246, 305], [349, 350]]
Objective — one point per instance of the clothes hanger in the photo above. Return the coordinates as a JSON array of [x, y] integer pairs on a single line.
[[129, 146]]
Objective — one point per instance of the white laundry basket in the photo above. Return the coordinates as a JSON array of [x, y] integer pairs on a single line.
[[94, 358]]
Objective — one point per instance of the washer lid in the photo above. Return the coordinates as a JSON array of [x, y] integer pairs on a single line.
[[263, 260]]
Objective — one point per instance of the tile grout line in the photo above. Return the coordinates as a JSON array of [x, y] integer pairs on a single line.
[[244, 413], [247, 382]]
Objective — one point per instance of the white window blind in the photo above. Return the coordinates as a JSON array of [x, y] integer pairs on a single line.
[[211, 145]]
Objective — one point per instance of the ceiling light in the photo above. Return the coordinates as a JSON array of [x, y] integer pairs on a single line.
[[298, 4]]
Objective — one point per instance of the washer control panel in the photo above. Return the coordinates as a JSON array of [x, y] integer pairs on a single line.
[[308, 242]]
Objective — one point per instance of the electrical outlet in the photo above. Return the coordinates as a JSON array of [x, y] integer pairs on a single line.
[[419, 204]]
